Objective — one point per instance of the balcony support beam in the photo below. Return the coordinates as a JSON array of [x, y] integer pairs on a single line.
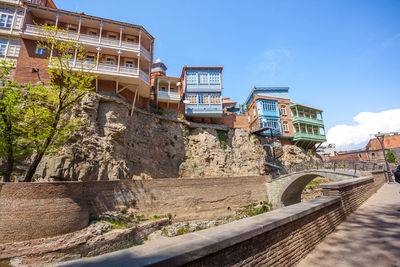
[[79, 27], [98, 57], [116, 86], [134, 101], [97, 84], [52, 46], [122, 89], [119, 59]]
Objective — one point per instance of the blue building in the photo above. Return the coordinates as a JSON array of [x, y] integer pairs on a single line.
[[270, 107], [202, 89]]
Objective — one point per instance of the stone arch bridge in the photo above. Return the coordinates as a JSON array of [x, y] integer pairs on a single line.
[[286, 190]]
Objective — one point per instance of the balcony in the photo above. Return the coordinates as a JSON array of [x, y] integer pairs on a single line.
[[307, 120], [173, 96], [86, 39], [109, 69], [300, 136], [203, 88], [204, 110]]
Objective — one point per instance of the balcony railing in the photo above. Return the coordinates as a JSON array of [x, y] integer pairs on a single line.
[[302, 119], [309, 136], [110, 69], [169, 96], [92, 40], [204, 108]]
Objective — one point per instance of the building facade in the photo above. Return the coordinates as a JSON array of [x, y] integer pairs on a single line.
[[120, 54], [167, 90], [228, 105], [202, 87], [308, 126], [270, 107]]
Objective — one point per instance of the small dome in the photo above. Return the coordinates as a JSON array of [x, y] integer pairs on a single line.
[[158, 60]]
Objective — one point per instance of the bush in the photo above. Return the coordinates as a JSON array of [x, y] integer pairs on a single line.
[[391, 157], [222, 137]]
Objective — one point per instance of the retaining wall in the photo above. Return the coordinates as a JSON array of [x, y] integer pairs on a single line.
[[278, 238], [37, 210]]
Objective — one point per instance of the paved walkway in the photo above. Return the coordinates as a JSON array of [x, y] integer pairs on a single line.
[[369, 237]]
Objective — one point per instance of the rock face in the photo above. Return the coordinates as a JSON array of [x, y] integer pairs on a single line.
[[112, 144]]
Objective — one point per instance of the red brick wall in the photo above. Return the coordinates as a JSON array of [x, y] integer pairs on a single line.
[[389, 142], [235, 121], [28, 60]]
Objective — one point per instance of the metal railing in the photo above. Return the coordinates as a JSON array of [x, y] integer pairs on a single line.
[[346, 166]]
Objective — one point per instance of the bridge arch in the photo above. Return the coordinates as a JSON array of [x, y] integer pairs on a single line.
[[287, 189]]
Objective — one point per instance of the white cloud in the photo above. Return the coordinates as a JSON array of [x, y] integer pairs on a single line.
[[347, 137], [274, 59]]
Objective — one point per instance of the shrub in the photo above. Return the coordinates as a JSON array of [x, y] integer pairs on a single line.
[[222, 137], [391, 157]]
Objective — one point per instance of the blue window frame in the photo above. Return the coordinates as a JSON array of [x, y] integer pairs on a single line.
[[40, 50], [6, 17], [3, 46]]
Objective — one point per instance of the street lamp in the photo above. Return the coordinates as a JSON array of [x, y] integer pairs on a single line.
[[381, 138]]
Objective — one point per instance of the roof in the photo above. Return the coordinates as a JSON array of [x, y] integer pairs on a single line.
[[306, 106], [265, 89], [227, 100], [83, 15]]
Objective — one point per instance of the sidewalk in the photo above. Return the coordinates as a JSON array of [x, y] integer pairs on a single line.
[[369, 237]]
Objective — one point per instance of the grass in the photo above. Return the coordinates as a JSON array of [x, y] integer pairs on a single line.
[[222, 137], [315, 183]]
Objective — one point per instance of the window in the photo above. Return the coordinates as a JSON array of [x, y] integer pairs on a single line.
[[3, 46], [18, 19], [283, 110], [131, 39], [203, 77], [215, 99], [201, 99], [192, 99], [90, 57], [285, 126], [172, 89], [92, 32], [191, 78], [206, 99], [110, 61], [6, 17], [71, 28], [112, 36], [40, 50], [214, 78], [129, 64], [14, 48], [163, 89], [269, 106]]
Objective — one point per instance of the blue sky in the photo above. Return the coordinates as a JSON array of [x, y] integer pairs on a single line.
[[337, 55]]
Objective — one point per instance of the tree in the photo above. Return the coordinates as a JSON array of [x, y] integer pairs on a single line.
[[391, 157], [11, 113], [49, 107]]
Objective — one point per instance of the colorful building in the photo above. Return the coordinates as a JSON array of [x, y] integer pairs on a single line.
[[167, 90], [120, 54], [202, 88], [227, 103], [308, 125], [270, 107]]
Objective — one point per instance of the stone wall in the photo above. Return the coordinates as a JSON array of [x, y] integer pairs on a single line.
[[278, 238], [113, 145], [36, 210]]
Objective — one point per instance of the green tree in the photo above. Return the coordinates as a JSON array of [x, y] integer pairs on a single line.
[[49, 107], [391, 157], [11, 113]]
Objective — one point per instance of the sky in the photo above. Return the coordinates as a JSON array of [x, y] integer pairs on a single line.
[[341, 56]]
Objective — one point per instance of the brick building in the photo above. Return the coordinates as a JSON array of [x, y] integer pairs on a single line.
[[120, 54]]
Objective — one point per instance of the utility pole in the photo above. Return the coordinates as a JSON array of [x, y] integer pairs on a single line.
[[381, 138]]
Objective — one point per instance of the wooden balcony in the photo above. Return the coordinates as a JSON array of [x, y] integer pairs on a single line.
[[169, 96], [109, 69], [85, 39]]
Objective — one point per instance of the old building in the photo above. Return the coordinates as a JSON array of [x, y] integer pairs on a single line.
[[308, 125], [270, 107], [166, 89], [120, 54], [202, 87], [228, 105]]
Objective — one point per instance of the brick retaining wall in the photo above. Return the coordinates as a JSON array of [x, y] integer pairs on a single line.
[[38, 210], [278, 238]]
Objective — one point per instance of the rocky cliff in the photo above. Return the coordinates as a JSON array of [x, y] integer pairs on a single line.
[[112, 144]]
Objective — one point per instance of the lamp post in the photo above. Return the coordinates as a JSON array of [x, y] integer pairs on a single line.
[[381, 138]]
